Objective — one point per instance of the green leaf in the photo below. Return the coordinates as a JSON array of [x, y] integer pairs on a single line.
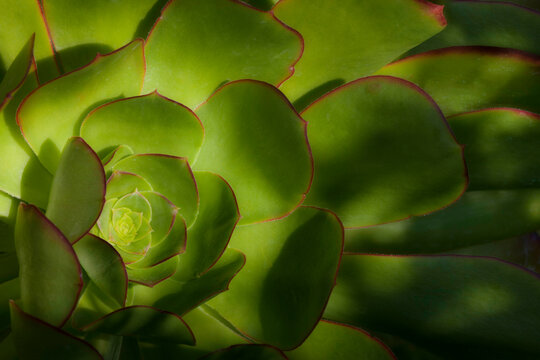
[[354, 39], [20, 19], [104, 266], [331, 340], [449, 304], [80, 30], [17, 72], [210, 234], [279, 295], [53, 113], [8, 290], [180, 297], [9, 266], [114, 156], [147, 124], [146, 323], [169, 175], [93, 304], [122, 183], [531, 4], [151, 276], [8, 213], [490, 23], [463, 79], [35, 339], [202, 44], [478, 217], [78, 190], [247, 352], [382, 152], [48, 267], [251, 128], [501, 148]]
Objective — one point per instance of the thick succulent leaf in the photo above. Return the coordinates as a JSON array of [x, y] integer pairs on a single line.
[[331, 340], [501, 148], [279, 295], [488, 24], [446, 303], [53, 113], [8, 290], [93, 304], [81, 29], [246, 352], [103, 265], [48, 267], [251, 128], [152, 276], [463, 79], [17, 72], [121, 183], [7, 348], [8, 213], [210, 234], [146, 323], [180, 297], [147, 124], [36, 339], [531, 4], [164, 217], [9, 266], [19, 19], [382, 151], [478, 217], [78, 190], [170, 176], [264, 5], [115, 156], [352, 40], [196, 46]]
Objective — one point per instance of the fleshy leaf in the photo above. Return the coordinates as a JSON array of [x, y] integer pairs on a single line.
[[164, 216], [246, 352], [9, 266], [35, 339], [78, 190], [48, 267], [80, 30], [210, 234], [146, 323], [260, 135], [449, 304], [19, 19], [279, 295], [151, 276], [331, 340], [182, 296], [501, 148], [17, 72], [382, 152], [352, 40], [93, 304], [463, 79], [53, 113], [487, 23], [115, 156], [147, 124], [170, 176], [202, 44], [8, 290], [104, 266], [122, 183], [477, 217]]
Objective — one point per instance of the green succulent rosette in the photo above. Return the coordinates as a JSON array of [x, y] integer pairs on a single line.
[[293, 179]]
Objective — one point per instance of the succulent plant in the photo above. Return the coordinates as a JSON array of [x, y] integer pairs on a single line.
[[301, 179]]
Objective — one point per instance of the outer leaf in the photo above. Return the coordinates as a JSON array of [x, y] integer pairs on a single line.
[[451, 304], [489, 24], [53, 112], [17, 72], [531, 4], [210, 234], [352, 40], [78, 190], [501, 148], [331, 340], [146, 323], [158, 170], [19, 19], [8, 290], [48, 267], [93, 304], [147, 124], [478, 217], [104, 266], [202, 44], [463, 79], [80, 29], [280, 294], [382, 152], [9, 266], [246, 352], [35, 339], [262, 136], [153, 275]]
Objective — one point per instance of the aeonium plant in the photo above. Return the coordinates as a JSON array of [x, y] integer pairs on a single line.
[[241, 184]]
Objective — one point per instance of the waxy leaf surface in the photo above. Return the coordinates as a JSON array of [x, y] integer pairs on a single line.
[[251, 128], [152, 276], [17, 71], [196, 46], [246, 352], [382, 152]]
